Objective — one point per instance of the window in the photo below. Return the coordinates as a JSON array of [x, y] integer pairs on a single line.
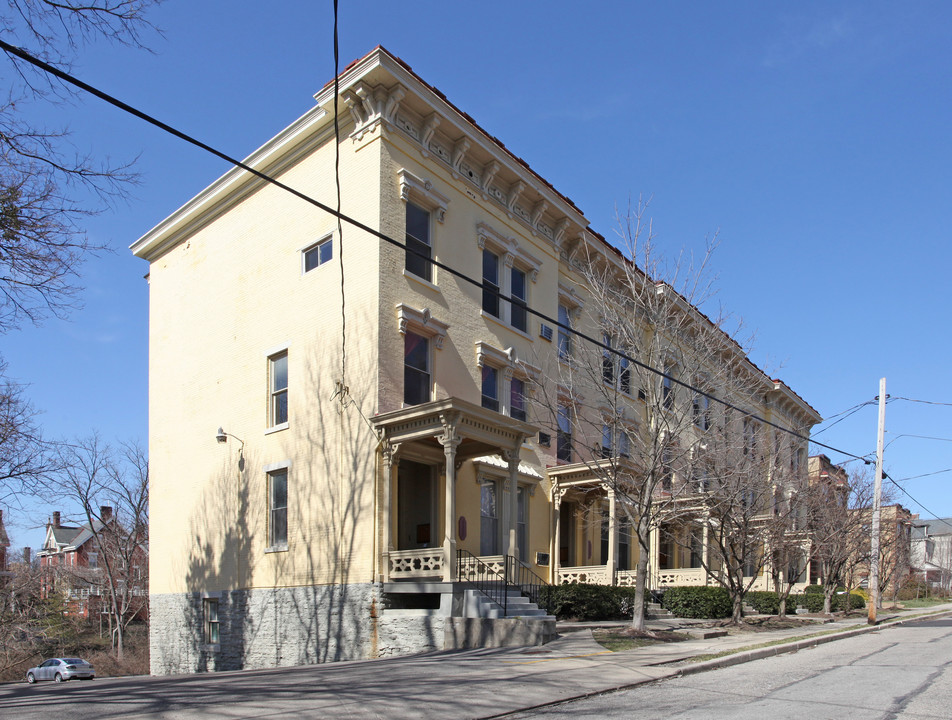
[[488, 519], [416, 369], [624, 375], [210, 608], [517, 399], [697, 548], [667, 389], [623, 561], [507, 270], [667, 472], [563, 441], [624, 443], [606, 447], [565, 338], [278, 370], [92, 559], [491, 283], [278, 508], [318, 254], [750, 438], [490, 388], [517, 291], [608, 360], [702, 412], [418, 242]]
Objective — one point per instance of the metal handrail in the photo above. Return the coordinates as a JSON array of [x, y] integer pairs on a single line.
[[473, 571], [520, 576], [516, 575]]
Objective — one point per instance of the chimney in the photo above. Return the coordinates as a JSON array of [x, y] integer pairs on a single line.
[[105, 513], [26, 555], [56, 519]]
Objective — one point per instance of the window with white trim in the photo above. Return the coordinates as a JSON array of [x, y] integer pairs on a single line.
[[565, 337], [278, 508], [490, 388], [419, 250], [503, 380], [702, 412], [488, 518], [416, 369], [278, 388], [507, 270], [210, 617], [317, 254]]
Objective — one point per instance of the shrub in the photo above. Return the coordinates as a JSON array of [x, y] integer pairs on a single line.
[[813, 601], [698, 602], [765, 602], [588, 602], [814, 589]]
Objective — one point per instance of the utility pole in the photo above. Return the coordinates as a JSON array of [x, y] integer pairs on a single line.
[[877, 499]]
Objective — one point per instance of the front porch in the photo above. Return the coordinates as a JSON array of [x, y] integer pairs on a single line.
[[423, 450]]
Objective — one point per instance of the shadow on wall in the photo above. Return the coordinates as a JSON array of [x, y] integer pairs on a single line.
[[315, 602]]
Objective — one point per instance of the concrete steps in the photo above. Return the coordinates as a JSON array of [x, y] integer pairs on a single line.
[[478, 605]]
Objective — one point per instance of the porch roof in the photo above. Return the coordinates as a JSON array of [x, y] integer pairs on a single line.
[[596, 472], [481, 431]]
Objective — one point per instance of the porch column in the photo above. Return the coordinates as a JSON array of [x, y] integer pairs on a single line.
[[653, 559], [450, 441], [554, 559], [390, 466], [705, 538], [512, 457], [612, 537]]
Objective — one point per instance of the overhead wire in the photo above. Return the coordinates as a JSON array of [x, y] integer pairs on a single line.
[[341, 217], [850, 412]]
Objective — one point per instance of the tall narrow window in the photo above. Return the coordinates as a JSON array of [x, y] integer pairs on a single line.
[[606, 449], [419, 250], [491, 282], [517, 399], [565, 338], [210, 608], [488, 519], [667, 472], [608, 360], [624, 553], [624, 442], [667, 389], [517, 291], [278, 367], [278, 508], [416, 369], [624, 375], [563, 445], [490, 388], [702, 412]]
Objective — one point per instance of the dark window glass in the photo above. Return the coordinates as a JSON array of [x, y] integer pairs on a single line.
[[488, 520], [318, 255], [563, 442], [279, 389], [517, 399], [565, 339], [624, 376], [491, 281], [416, 369], [418, 242], [518, 315], [490, 388], [279, 508], [608, 361]]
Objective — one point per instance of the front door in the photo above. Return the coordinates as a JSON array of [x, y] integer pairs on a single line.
[[567, 534], [416, 501]]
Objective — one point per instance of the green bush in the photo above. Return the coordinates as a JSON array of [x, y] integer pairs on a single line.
[[813, 601], [698, 602], [765, 602], [814, 589], [588, 602]]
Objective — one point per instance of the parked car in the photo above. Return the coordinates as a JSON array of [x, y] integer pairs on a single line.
[[60, 670]]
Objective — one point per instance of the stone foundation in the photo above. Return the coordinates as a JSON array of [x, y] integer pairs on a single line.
[[272, 628]]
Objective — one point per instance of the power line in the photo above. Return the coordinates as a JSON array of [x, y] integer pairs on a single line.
[[906, 492], [924, 402], [852, 411], [125, 107]]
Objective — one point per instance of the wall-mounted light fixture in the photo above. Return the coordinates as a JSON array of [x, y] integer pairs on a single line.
[[222, 437]]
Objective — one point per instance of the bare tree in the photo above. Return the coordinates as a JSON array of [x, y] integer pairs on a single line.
[[627, 407], [111, 490]]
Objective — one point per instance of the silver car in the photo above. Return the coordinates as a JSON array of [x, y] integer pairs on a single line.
[[60, 670]]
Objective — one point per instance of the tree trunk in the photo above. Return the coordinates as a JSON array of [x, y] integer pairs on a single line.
[[641, 587], [828, 599], [737, 613], [782, 610]]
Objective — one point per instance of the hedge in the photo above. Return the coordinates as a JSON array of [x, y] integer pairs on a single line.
[[813, 601], [588, 602], [697, 602], [765, 602]]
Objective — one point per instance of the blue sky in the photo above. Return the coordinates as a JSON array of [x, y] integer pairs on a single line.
[[814, 138]]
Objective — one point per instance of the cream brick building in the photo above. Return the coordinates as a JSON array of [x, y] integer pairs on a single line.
[[372, 424]]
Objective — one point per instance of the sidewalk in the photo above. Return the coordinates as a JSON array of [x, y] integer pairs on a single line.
[[484, 683]]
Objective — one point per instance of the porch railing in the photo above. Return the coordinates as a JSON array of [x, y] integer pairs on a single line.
[[495, 580], [425, 562]]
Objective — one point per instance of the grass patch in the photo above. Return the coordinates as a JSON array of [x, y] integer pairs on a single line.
[[619, 639], [922, 603], [758, 646]]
